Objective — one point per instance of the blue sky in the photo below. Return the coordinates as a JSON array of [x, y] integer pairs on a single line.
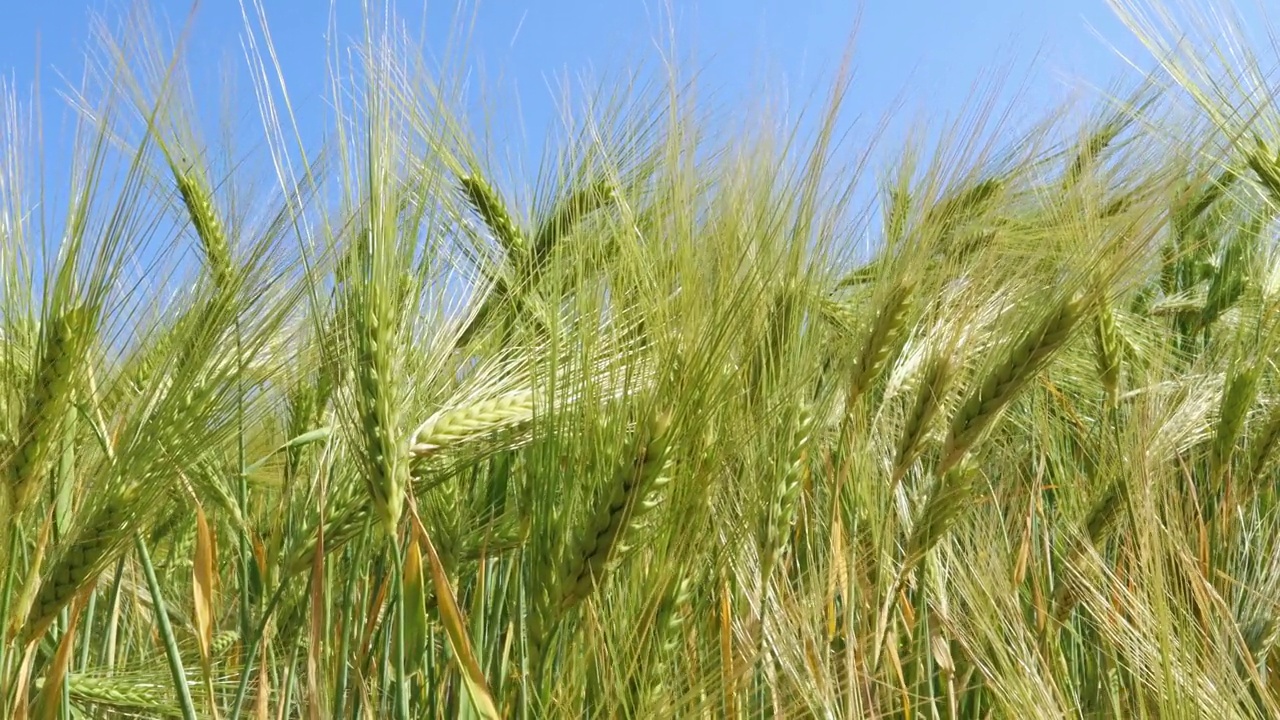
[[932, 49], [927, 54]]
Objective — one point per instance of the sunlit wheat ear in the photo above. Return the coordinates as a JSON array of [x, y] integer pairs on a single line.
[[485, 201], [1262, 446], [47, 404], [121, 695], [626, 501], [1106, 348], [571, 211], [457, 425], [781, 513], [384, 467], [80, 562], [1002, 383], [935, 380], [198, 199], [1237, 397], [884, 338]]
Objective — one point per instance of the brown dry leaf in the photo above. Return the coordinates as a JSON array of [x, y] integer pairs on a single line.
[[49, 703], [202, 570], [455, 625]]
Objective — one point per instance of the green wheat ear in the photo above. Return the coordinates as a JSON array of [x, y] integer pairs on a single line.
[[47, 403]]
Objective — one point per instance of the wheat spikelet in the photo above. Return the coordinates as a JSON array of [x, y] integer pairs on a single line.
[[47, 405], [1002, 384], [1107, 351], [119, 693], [484, 199], [82, 560], [457, 425], [934, 382], [576, 207], [884, 337], [625, 503], [1237, 396], [204, 217], [781, 513], [384, 469], [1263, 444]]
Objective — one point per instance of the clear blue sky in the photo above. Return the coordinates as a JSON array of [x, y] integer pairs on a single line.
[[928, 53]]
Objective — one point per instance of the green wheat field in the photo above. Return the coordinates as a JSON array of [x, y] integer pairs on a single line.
[[714, 415]]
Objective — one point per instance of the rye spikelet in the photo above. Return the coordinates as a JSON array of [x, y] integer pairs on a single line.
[[485, 201], [626, 502], [1003, 382], [47, 404], [457, 425]]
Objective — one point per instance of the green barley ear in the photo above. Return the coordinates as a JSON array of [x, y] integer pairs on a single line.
[[935, 381], [1003, 382], [884, 338], [574, 208], [83, 559], [120, 695], [198, 199], [627, 500], [1231, 276], [1262, 446], [951, 497], [1106, 350], [1266, 167], [47, 403], [781, 513], [385, 472], [1237, 397], [458, 425], [489, 206]]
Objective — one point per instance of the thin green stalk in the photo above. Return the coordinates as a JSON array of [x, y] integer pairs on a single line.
[[251, 649], [344, 664], [242, 496], [11, 568], [166, 632], [112, 622], [402, 681], [87, 636]]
